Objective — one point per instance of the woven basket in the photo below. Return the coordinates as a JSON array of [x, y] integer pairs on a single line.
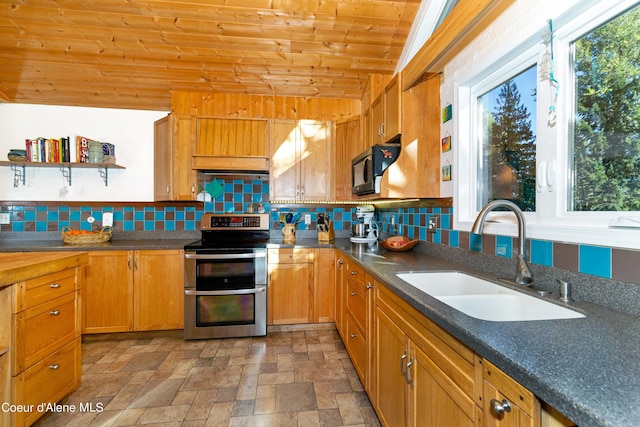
[[101, 236]]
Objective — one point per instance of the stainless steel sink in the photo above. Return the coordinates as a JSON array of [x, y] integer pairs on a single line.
[[485, 300]]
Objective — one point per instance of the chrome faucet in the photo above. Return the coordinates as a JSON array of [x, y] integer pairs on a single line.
[[523, 274]]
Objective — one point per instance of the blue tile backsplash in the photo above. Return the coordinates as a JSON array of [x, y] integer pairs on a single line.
[[239, 194]]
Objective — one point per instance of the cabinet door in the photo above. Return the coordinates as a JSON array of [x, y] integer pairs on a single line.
[[341, 306], [391, 356], [289, 293], [377, 120], [392, 111], [107, 297], [435, 399], [174, 177], [184, 176], [283, 176], [314, 146], [158, 290], [346, 146], [163, 165], [324, 292]]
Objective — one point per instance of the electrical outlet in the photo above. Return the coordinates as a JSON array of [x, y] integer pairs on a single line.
[[433, 224], [5, 218], [307, 219], [107, 219]]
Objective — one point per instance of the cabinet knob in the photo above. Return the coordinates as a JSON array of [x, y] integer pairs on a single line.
[[498, 407], [54, 285], [54, 312], [353, 335], [354, 293], [290, 255], [353, 273], [54, 366], [369, 286]]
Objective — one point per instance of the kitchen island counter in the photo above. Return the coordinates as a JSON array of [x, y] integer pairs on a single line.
[[16, 267], [587, 368]]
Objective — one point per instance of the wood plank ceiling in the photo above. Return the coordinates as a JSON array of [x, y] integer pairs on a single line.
[[133, 53]]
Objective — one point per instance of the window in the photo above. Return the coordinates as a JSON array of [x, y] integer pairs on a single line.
[[606, 135], [507, 117], [553, 124]]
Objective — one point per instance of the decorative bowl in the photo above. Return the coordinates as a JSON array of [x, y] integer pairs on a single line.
[[399, 243]]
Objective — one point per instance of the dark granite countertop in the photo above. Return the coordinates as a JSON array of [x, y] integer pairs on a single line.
[[123, 241], [587, 368]]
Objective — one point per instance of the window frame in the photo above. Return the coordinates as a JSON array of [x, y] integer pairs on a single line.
[[552, 220]]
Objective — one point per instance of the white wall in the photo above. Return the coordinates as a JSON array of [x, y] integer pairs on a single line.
[[130, 130]]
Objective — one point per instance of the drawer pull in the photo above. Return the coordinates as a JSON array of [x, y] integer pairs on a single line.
[[369, 286], [354, 293], [290, 255], [54, 312], [54, 285], [353, 273], [54, 366], [498, 407], [354, 335]]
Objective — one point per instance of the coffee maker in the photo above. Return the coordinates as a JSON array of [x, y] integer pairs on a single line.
[[365, 229]]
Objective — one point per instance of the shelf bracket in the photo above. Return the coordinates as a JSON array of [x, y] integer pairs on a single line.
[[18, 175], [104, 174], [66, 173]]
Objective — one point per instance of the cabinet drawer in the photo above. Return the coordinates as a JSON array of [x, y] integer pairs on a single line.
[[44, 328], [356, 303], [48, 287], [510, 388], [48, 381], [356, 273], [356, 345], [289, 256]]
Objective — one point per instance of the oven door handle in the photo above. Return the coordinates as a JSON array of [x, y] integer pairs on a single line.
[[229, 292], [226, 256]]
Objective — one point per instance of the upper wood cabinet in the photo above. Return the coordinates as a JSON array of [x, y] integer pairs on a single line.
[[231, 144], [300, 152], [174, 177], [345, 148], [416, 173], [386, 113]]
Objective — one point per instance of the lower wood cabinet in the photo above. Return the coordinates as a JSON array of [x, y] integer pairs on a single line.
[[290, 286], [134, 290], [324, 285], [45, 343], [423, 376]]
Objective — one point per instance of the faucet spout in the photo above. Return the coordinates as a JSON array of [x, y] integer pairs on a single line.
[[523, 273]]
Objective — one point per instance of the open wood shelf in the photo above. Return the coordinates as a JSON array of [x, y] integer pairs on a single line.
[[19, 175]]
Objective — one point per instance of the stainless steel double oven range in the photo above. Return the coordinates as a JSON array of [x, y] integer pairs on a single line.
[[225, 282]]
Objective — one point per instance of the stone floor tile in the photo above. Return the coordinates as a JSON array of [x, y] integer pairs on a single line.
[[295, 397]]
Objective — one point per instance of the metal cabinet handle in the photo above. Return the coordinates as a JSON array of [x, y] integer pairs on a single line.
[[353, 273], [402, 364], [407, 372], [290, 255], [168, 189], [193, 189], [339, 264], [354, 293], [54, 285], [498, 407], [369, 286], [129, 262], [54, 366], [54, 312], [353, 335]]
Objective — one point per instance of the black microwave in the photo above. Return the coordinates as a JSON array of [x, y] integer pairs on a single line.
[[367, 168]]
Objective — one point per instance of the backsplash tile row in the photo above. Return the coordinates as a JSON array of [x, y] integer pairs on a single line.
[[610, 263]]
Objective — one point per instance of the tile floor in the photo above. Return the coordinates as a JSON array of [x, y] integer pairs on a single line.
[[292, 377]]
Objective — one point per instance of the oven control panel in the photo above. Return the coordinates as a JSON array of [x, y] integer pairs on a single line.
[[235, 221]]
